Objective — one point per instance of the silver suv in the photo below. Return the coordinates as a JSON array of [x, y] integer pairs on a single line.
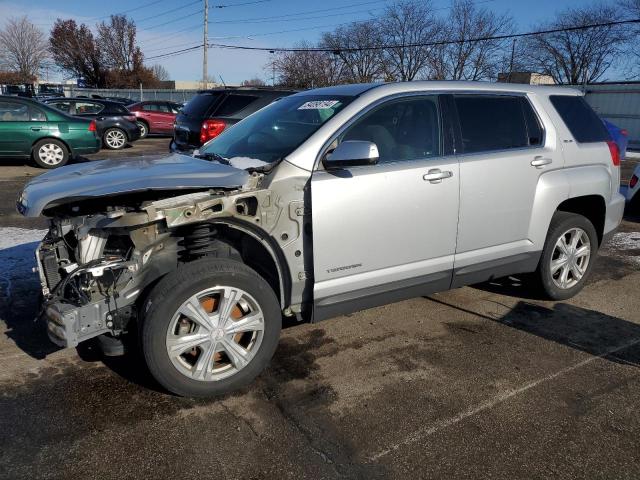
[[322, 203]]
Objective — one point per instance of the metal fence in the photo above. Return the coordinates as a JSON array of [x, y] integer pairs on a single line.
[[620, 104], [138, 95]]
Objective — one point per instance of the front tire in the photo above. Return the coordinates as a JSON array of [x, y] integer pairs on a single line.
[[144, 129], [209, 327], [568, 256], [49, 153], [114, 138]]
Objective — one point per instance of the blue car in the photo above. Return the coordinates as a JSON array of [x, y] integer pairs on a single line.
[[618, 135]]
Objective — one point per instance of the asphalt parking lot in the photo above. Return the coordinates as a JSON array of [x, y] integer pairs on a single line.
[[480, 382]]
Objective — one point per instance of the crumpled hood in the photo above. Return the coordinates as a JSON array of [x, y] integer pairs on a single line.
[[117, 176]]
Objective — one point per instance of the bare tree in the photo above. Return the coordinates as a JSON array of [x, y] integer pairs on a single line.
[[306, 68], [468, 57], [357, 45], [253, 82], [75, 52], [117, 40], [159, 72], [632, 9], [23, 48], [408, 22], [579, 56]]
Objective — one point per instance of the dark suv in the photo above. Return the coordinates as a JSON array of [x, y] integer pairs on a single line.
[[211, 111], [116, 125]]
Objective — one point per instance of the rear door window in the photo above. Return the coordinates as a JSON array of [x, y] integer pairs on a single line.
[[493, 122], [88, 108], [583, 123]]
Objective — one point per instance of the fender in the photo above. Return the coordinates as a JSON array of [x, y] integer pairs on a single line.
[[272, 248], [559, 185]]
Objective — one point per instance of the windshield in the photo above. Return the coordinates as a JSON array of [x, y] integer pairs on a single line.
[[275, 131]]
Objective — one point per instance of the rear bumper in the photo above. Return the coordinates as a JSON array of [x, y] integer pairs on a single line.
[[615, 211]]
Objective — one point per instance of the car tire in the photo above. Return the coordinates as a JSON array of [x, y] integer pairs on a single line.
[[144, 129], [568, 255], [50, 153], [194, 356], [114, 138]]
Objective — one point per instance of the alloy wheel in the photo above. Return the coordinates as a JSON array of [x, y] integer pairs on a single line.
[[215, 333], [570, 258], [115, 139]]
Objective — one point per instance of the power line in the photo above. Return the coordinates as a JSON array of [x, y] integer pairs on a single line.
[[430, 44], [177, 52], [199, 12], [130, 10], [167, 11], [239, 4]]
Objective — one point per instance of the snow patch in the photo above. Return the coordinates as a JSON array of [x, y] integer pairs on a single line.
[[246, 162], [17, 256]]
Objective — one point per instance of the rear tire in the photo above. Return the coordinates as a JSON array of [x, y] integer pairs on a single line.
[[199, 343], [49, 153], [568, 256], [114, 138]]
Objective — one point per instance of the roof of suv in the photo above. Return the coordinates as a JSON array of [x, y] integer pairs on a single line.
[[384, 89], [253, 90]]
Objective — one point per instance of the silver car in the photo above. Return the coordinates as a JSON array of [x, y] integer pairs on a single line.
[[322, 203]]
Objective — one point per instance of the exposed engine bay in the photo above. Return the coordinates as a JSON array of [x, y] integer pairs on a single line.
[[100, 255]]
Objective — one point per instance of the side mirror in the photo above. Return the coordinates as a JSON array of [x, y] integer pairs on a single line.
[[352, 153]]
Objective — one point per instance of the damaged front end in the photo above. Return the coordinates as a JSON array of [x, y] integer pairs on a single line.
[[102, 253]]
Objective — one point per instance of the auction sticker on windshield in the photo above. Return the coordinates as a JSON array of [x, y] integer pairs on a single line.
[[318, 104]]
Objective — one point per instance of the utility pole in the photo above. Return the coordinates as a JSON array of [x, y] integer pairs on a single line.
[[205, 69]]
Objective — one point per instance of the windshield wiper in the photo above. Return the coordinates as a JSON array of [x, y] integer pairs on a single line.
[[213, 156]]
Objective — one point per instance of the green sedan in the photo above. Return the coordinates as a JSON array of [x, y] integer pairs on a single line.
[[48, 136]]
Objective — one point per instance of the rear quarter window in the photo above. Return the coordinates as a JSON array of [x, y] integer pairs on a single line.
[[584, 124], [233, 104], [199, 105]]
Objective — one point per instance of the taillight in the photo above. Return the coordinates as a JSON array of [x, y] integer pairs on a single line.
[[624, 132], [615, 153], [92, 126], [633, 182], [211, 129]]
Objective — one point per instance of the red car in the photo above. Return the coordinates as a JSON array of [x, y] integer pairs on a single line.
[[155, 116]]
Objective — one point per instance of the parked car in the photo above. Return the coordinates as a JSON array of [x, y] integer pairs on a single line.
[[50, 138], [155, 117], [631, 193], [123, 100], [116, 125], [210, 112], [325, 202], [618, 135]]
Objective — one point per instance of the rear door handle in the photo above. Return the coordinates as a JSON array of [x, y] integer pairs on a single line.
[[36, 129], [435, 175], [540, 162]]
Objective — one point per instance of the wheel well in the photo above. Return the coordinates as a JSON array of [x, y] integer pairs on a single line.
[[592, 207], [66, 145], [226, 241], [142, 120]]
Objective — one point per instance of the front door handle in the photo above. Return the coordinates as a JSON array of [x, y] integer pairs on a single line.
[[36, 129], [435, 175], [540, 161]]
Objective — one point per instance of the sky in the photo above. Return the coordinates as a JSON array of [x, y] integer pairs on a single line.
[[168, 25]]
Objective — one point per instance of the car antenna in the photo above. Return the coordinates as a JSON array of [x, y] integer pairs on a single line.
[[222, 80]]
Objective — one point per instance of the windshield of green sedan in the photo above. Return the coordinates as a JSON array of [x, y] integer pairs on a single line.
[[275, 131]]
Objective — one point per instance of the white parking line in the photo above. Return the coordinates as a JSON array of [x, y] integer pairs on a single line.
[[447, 422]]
